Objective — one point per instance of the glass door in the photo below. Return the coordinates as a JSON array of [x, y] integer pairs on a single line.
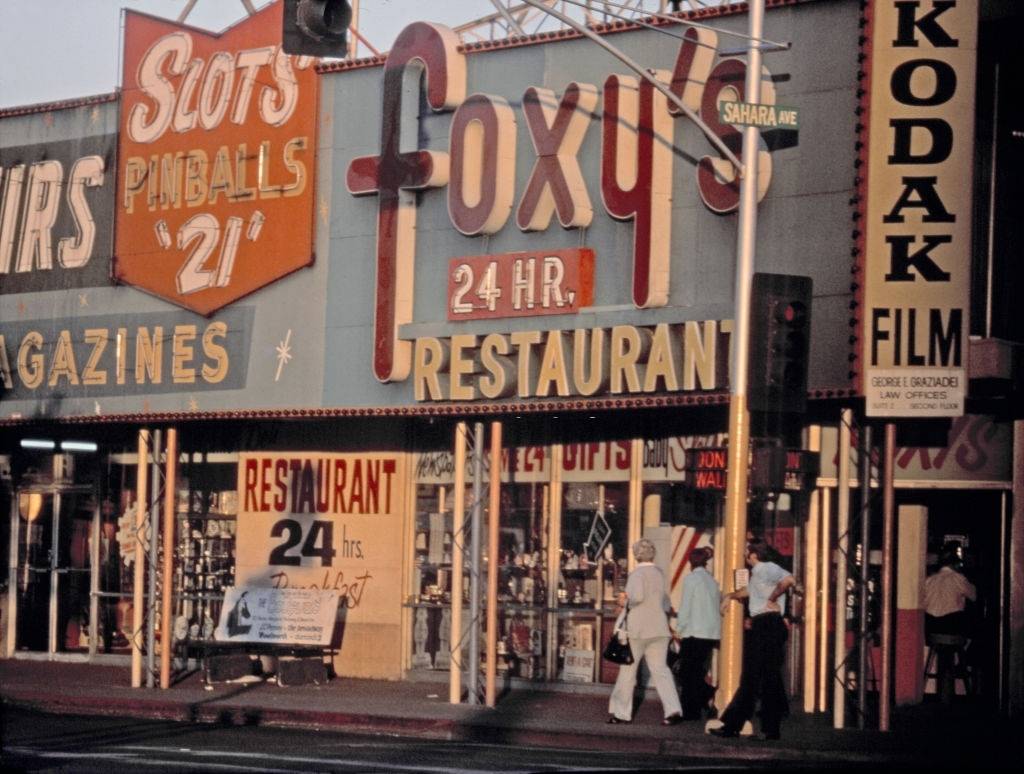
[[54, 570], [35, 569]]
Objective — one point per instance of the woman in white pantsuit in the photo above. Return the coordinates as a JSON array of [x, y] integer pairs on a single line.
[[647, 607]]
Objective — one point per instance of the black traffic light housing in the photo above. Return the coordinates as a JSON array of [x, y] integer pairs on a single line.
[[780, 334], [316, 27]]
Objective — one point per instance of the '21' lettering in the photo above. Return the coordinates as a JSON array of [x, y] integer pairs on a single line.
[[204, 231]]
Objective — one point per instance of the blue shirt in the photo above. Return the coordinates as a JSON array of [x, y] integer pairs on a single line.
[[764, 577], [699, 614]]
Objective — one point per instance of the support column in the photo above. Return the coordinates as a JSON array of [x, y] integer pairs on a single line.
[[810, 616], [553, 558], [139, 576], [493, 560], [810, 600], [864, 648], [1015, 610], [912, 553], [824, 595], [888, 504], [731, 651], [154, 557], [475, 561], [843, 542], [458, 544], [170, 490]]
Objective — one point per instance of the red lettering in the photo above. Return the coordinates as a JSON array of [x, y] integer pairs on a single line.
[[251, 475], [356, 498], [372, 486], [396, 173], [556, 182], [483, 172], [389, 470], [280, 474], [296, 468], [622, 455], [646, 197], [323, 486], [340, 477], [264, 484], [717, 179]]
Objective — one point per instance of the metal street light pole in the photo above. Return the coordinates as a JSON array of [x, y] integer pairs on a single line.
[[731, 654]]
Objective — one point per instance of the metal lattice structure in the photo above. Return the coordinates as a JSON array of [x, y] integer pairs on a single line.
[[512, 18]]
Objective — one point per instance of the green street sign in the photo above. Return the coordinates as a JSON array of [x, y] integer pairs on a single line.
[[761, 116]]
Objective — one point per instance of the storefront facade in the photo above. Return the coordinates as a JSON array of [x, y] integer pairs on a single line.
[[319, 272]]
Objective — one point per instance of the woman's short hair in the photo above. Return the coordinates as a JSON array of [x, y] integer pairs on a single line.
[[699, 556], [643, 550]]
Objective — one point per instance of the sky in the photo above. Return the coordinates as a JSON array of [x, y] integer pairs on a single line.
[[63, 49]]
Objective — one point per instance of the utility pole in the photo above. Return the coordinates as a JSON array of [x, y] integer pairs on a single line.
[[739, 415]]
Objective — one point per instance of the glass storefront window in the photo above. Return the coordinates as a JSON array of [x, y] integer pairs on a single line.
[[522, 579], [592, 571], [432, 582]]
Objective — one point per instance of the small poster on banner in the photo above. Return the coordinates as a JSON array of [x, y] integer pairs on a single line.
[[291, 616]]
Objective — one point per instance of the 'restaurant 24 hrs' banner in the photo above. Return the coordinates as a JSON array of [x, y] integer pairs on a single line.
[[323, 521], [918, 227], [218, 134]]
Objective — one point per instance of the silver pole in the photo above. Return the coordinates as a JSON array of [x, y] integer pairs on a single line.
[[864, 483], [843, 545], [458, 555], [12, 577], [154, 559], [731, 652], [54, 640], [888, 517], [94, 579], [473, 678]]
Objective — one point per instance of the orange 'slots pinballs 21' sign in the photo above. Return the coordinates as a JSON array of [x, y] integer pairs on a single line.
[[215, 189]]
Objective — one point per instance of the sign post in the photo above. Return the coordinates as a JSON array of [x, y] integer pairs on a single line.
[[739, 416]]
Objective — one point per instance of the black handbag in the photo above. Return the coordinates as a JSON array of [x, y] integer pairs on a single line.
[[617, 651]]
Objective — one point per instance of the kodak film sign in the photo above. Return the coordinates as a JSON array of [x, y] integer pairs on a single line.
[[918, 226], [215, 169]]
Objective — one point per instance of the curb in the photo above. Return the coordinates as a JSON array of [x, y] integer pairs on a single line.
[[420, 728], [491, 729]]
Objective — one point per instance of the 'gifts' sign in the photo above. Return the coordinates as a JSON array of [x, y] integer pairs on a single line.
[[215, 189]]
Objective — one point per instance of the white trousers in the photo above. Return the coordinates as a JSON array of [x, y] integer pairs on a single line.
[[654, 652]]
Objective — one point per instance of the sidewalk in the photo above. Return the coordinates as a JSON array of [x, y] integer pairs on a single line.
[[524, 716]]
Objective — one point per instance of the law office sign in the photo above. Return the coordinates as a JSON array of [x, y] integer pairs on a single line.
[[215, 169], [916, 244]]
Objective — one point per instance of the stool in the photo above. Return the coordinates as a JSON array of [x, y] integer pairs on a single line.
[[946, 663]]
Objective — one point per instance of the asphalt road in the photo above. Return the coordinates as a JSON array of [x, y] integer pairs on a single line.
[[57, 743]]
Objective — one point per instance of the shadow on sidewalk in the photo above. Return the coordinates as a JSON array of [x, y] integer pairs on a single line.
[[191, 716]]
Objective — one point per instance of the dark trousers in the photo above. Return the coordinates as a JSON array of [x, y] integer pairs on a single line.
[[694, 655], [764, 652]]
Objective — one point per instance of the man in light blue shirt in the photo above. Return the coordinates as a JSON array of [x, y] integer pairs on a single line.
[[764, 650], [699, 625]]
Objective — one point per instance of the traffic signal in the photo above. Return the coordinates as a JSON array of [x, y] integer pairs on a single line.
[[316, 27], [780, 332]]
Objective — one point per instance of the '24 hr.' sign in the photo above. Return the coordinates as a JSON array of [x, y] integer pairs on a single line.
[[216, 160]]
